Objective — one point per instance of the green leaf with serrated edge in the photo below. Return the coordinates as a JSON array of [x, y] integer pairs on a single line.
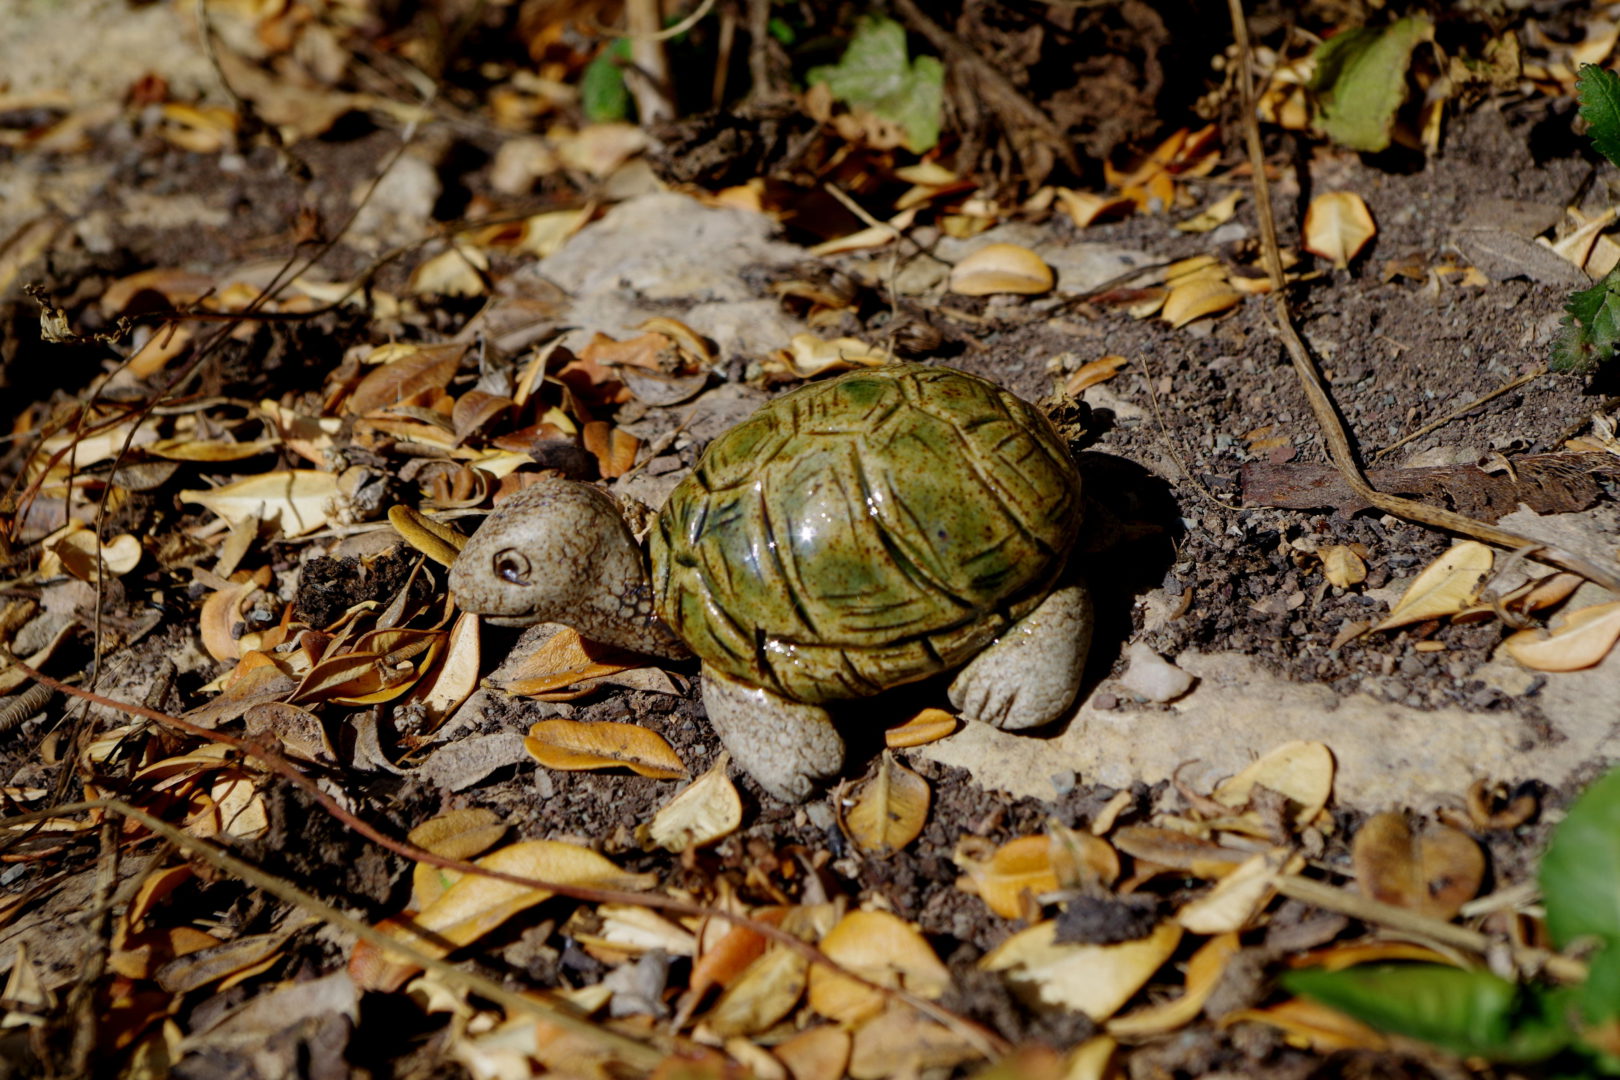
[[1591, 327], [1470, 1013], [1360, 81], [1580, 874], [1598, 999], [875, 74], [1599, 92]]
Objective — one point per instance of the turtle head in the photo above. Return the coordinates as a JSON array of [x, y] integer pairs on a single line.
[[560, 551]]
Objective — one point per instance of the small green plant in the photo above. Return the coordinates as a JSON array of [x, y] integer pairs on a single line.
[[1567, 1031], [1592, 323], [1360, 81], [875, 74]]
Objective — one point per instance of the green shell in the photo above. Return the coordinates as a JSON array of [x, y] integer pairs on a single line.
[[865, 532]]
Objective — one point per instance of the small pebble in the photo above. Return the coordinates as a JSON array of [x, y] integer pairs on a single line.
[[1105, 701], [1153, 678]]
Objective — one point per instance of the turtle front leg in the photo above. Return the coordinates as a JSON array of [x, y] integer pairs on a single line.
[[1030, 676], [789, 747]]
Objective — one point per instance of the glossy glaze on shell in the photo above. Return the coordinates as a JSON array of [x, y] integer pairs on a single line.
[[865, 532]]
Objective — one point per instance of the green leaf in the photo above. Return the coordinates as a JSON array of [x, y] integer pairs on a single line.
[[875, 74], [1591, 327], [1470, 1013], [1360, 81], [1599, 91], [1580, 874], [602, 93]]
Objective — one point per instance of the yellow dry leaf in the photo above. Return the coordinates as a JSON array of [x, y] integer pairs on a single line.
[[820, 1053], [706, 811], [221, 612], [1584, 638], [1001, 268], [1307, 1024], [929, 725], [209, 449], [453, 677], [1445, 587], [1204, 971], [1090, 374], [902, 1043], [765, 992], [1093, 979], [1536, 595], [1434, 872], [299, 499], [1093, 1060], [74, 552], [1016, 868], [1213, 216], [1081, 859], [456, 271], [438, 541], [475, 905], [405, 371], [1087, 208], [1337, 226], [888, 811], [808, 355], [872, 237], [574, 744], [565, 667], [1197, 297], [1339, 957], [1238, 898], [1301, 771], [455, 834], [544, 234], [885, 949], [1342, 566]]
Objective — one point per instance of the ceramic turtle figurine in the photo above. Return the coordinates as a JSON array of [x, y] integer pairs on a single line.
[[853, 535]]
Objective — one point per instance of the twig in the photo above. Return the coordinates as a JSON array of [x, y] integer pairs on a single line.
[[982, 1039], [1327, 417], [1378, 913], [1511, 384]]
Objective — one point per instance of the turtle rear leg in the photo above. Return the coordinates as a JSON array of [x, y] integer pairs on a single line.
[[1030, 676], [789, 747]]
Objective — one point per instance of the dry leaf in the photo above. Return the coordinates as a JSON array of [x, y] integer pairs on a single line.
[[1204, 971], [75, 553], [901, 1043], [883, 948], [888, 811], [1097, 371], [453, 676], [455, 834], [1001, 268], [1215, 215], [1309, 1024], [1584, 638], [475, 905], [1087, 208], [706, 811], [763, 995], [874, 236], [438, 541], [1238, 898], [1198, 297], [566, 666], [1434, 873], [1342, 566], [298, 499], [1017, 868], [1302, 771], [1445, 587], [808, 355], [614, 448], [1093, 979], [929, 725], [574, 744], [820, 1053], [406, 371], [1337, 226]]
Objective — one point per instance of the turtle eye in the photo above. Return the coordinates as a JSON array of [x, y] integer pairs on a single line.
[[511, 565]]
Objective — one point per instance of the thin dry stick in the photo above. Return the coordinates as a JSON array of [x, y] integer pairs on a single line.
[[1511, 384], [981, 1038], [1325, 896], [1327, 416]]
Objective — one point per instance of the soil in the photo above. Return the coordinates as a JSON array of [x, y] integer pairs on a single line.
[[1162, 451]]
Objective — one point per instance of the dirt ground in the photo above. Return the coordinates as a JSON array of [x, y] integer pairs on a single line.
[[1202, 464]]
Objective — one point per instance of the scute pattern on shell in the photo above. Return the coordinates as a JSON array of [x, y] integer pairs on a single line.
[[865, 532]]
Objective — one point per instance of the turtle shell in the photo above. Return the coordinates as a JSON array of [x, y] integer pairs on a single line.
[[865, 532]]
